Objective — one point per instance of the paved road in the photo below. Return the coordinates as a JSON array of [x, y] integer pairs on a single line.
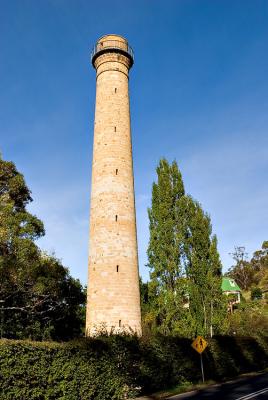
[[243, 389]]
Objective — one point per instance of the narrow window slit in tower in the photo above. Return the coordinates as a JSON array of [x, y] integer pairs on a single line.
[[115, 128], [119, 323], [117, 268], [115, 90], [116, 217], [116, 171]]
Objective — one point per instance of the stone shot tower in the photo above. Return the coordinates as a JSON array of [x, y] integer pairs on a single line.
[[113, 300]]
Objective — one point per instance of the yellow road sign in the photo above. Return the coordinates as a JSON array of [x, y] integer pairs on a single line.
[[199, 344]]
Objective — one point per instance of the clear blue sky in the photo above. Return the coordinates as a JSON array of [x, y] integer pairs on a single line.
[[199, 94]]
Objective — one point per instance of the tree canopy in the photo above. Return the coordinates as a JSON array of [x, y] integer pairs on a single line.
[[185, 267], [38, 297], [250, 273]]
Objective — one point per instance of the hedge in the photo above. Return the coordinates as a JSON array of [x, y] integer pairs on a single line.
[[118, 367]]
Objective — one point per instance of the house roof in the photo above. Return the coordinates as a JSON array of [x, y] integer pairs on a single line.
[[229, 285]]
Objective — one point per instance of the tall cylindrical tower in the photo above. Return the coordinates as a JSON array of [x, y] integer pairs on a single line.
[[113, 301]]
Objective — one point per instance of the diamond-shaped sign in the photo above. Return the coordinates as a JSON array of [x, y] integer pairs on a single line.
[[199, 344]]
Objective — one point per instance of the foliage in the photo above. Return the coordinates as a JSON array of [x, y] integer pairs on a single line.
[[167, 288], [38, 297], [185, 269], [118, 367], [165, 246], [242, 272], [259, 263], [203, 269], [249, 319], [253, 273], [256, 293]]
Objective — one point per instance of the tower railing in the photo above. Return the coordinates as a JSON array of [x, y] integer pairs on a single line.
[[112, 45]]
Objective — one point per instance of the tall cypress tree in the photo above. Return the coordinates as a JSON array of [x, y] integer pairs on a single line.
[[183, 258]]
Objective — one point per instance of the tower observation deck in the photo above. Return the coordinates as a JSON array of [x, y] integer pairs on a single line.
[[112, 45]]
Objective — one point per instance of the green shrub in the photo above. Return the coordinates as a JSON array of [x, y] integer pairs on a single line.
[[256, 293], [117, 367]]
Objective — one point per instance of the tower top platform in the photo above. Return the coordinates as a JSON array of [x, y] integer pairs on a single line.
[[112, 43]]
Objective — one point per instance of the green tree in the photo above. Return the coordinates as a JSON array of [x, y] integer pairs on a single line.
[[147, 314], [165, 252], [203, 269], [256, 293], [38, 297], [251, 275], [185, 267], [243, 271], [259, 263]]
